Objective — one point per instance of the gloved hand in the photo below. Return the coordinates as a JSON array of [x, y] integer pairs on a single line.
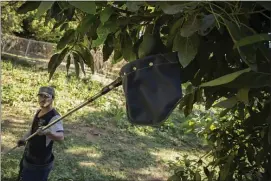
[[44, 132], [21, 142]]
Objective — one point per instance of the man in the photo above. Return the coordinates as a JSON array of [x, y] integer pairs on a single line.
[[38, 158]]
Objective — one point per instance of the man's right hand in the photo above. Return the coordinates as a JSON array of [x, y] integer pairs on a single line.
[[21, 142]]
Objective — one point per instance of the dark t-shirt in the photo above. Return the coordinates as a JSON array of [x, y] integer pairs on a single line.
[[39, 148]]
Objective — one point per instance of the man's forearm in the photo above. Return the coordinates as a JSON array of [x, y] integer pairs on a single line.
[[56, 136]]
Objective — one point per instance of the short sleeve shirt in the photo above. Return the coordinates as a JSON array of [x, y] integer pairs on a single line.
[[57, 127]]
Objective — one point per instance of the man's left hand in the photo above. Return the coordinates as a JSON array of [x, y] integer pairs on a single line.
[[44, 132]]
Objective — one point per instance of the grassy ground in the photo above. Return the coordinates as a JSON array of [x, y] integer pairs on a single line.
[[100, 143]]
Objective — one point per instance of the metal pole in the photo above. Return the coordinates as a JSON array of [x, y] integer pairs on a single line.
[[27, 48]]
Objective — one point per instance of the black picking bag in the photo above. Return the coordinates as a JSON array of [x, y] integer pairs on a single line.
[[152, 87]]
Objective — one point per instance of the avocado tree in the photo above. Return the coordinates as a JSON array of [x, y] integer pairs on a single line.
[[29, 25], [223, 50]]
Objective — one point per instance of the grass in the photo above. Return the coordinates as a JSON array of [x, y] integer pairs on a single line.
[[100, 143]]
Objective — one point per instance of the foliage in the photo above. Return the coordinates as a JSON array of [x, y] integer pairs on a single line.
[[10, 20], [30, 25], [222, 47]]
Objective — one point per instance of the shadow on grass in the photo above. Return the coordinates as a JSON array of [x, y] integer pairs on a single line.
[[163, 136], [104, 161], [117, 152]]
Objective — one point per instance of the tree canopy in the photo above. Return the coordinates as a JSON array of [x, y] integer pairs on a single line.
[[224, 53]]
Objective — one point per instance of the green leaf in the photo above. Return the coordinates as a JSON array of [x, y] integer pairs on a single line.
[[149, 29], [87, 57], [198, 96], [190, 26], [82, 65], [55, 61], [247, 53], [47, 18], [105, 14], [68, 64], [242, 95], [175, 27], [63, 54], [171, 9], [67, 38], [85, 6], [55, 11], [117, 56], [76, 61], [251, 80], [187, 48], [252, 39], [207, 24], [58, 23], [117, 42], [224, 79], [86, 42], [108, 48], [189, 101], [137, 43], [127, 47], [146, 46], [188, 108], [176, 8], [228, 103], [183, 102], [237, 33], [189, 89], [224, 172], [43, 7], [86, 23], [28, 6], [133, 6], [224, 112], [69, 13], [103, 31], [52, 62]]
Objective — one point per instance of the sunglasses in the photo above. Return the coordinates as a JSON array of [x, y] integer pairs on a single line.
[[44, 96]]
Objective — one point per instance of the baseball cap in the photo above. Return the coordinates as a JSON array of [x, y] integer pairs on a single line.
[[45, 90]]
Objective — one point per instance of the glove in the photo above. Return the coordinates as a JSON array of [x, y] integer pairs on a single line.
[[44, 132], [21, 142]]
